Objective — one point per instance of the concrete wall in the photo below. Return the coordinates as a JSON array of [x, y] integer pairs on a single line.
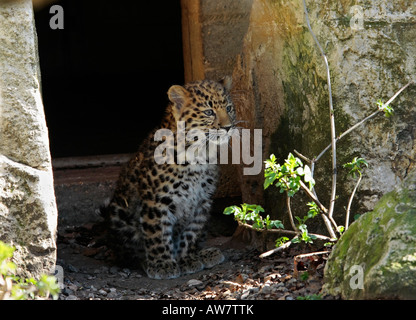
[[280, 86], [28, 214]]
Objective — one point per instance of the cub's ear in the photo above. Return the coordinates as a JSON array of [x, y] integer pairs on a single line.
[[227, 82], [178, 95]]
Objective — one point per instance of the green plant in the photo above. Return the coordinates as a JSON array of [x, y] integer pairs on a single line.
[[303, 228], [281, 241], [304, 235], [388, 110], [304, 276], [288, 176], [355, 167], [15, 288], [251, 213]]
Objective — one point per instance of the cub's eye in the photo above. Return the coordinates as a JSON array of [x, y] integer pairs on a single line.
[[228, 108], [209, 112]]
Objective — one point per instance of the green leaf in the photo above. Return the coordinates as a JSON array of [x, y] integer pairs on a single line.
[[6, 251], [281, 241], [308, 177], [285, 169], [229, 210], [48, 285], [355, 166], [313, 210], [304, 276], [300, 171], [388, 110], [270, 178], [277, 224], [291, 193], [258, 224], [293, 162]]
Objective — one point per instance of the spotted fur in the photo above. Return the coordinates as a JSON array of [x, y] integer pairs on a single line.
[[160, 210]]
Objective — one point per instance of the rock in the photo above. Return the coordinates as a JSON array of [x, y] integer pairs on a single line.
[[245, 295], [67, 292], [71, 268], [194, 283], [112, 294], [28, 214], [376, 257], [114, 270], [102, 292], [280, 86], [267, 289]]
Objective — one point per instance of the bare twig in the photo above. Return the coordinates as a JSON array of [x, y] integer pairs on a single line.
[[306, 255], [302, 156], [361, 122], [5, 287], [347, 217], [273, 251], [288, 244], [397, 93], [313, 197], [331, 117], [284, 231], [280, 231], [289, 210], [327, 220]]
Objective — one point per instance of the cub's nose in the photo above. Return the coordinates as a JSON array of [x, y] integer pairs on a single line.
[[227, 128]]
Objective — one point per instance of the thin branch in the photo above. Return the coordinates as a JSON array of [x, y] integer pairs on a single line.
[[289, 210], [332, 117], [288, 244], [282, 247], [283, 231], [327, 220], [347, 217], [361, 122], [302, 156], [306, 255], [397, 93], [313, 197]]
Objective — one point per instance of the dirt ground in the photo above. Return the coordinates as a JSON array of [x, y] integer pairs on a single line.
[[89, 274]]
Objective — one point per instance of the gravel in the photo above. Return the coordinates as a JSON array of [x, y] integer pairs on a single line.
[[89, 275]]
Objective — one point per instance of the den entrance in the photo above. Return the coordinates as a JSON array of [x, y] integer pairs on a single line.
[[106, 74]]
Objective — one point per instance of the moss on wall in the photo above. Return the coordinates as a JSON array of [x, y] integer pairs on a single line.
[[280, 78], [383, 243]]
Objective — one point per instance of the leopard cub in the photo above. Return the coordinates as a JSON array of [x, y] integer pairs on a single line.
[[158, 212]]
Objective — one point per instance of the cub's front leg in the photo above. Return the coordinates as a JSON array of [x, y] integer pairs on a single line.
[[157, 236], [189, 238]]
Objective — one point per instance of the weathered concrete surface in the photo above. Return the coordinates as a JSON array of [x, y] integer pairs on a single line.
[[376, 257], [28, 215], [280, 80], [224, 24]]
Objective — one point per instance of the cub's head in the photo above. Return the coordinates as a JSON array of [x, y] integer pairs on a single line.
[[203, 105]]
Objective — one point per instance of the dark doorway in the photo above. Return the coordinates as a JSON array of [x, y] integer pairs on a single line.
[[106, 74]]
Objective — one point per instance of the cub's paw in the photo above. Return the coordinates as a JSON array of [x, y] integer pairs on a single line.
[[163, 269], [190, 264], [210, 257]]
